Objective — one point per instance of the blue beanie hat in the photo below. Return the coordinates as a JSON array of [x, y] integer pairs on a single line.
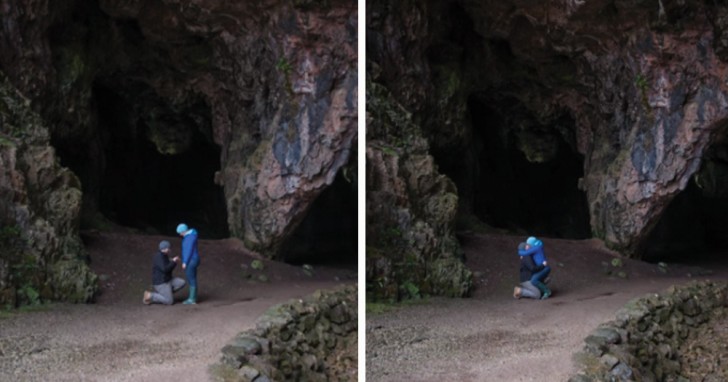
[[532, 241], [164, 244], [182, 228]]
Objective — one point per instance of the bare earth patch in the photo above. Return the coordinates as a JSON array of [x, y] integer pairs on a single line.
[[120, 339], [493, 337]]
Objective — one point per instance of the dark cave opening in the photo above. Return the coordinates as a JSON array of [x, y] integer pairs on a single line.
[[694, 226], [537, 195], [144, 188], [130, 182], [328, 233]]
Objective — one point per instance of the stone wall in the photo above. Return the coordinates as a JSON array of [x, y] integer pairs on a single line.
[[313, 339], [642, 343]]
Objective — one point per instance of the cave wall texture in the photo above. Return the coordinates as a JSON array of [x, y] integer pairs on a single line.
[[636, 89], [272, 83]]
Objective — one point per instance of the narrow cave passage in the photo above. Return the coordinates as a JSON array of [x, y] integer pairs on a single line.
[[694, 227], [523, 176], [328, 233]]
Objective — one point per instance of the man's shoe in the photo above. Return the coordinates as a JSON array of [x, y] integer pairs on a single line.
[[517, 291], [546, 294], [147, 297]]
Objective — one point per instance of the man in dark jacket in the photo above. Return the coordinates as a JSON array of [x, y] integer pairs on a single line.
[[164, 284]]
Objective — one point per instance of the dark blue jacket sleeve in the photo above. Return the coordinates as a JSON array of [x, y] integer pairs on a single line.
[[528, 252], [188, 245]]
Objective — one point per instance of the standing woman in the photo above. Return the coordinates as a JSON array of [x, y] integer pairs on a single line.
[[190, 259]]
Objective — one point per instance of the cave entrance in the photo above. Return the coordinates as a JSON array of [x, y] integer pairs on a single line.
[[694, 226], [328, 233], [526, 173], [160, 171], [148, 167]]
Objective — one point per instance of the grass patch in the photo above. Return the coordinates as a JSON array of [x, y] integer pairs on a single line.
[[223, 373], [375, 308], [9, 312]]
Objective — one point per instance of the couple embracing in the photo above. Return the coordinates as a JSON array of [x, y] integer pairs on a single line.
[[534, 270], [164, 284]]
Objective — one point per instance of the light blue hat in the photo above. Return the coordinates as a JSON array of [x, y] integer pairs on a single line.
[[530, 241], [182, 228]]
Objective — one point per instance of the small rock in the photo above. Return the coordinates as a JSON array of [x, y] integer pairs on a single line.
[[617, 262], [622, 274], [609, 361], [263, 278], [249, 373], [622, 372]]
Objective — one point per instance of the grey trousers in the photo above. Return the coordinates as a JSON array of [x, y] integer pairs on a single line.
[[528, 290], [163, 292]]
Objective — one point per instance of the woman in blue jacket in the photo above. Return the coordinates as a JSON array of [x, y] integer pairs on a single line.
[[190, 259]]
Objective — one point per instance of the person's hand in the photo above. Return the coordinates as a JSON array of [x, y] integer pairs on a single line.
[[184, 266], [545, 263], [175, 259]]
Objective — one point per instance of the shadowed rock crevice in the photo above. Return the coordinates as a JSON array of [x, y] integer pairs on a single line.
[[696, 220], [328, 232]]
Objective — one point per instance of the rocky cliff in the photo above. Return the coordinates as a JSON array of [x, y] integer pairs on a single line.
[[231, 116], [411, 247], [41, 255], [570, 118]]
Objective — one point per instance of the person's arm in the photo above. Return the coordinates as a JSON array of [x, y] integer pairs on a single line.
[[170, 266], [186, 250], [528, 252], [541, 257]]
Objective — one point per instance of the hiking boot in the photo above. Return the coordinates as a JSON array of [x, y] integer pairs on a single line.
[[545, 291], [147, 297], [192, 299], [517, 292]]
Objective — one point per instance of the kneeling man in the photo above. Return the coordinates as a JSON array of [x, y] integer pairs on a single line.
[[164, 284]]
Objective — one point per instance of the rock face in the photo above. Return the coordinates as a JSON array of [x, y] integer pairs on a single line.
[[411, 207], [635, 92], [41, 255], [270, 85]]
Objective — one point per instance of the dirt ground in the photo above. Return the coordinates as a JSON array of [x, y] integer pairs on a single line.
[[120, 339], [493, 337]]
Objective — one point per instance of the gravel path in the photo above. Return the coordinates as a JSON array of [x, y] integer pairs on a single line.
[[493, 337]]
